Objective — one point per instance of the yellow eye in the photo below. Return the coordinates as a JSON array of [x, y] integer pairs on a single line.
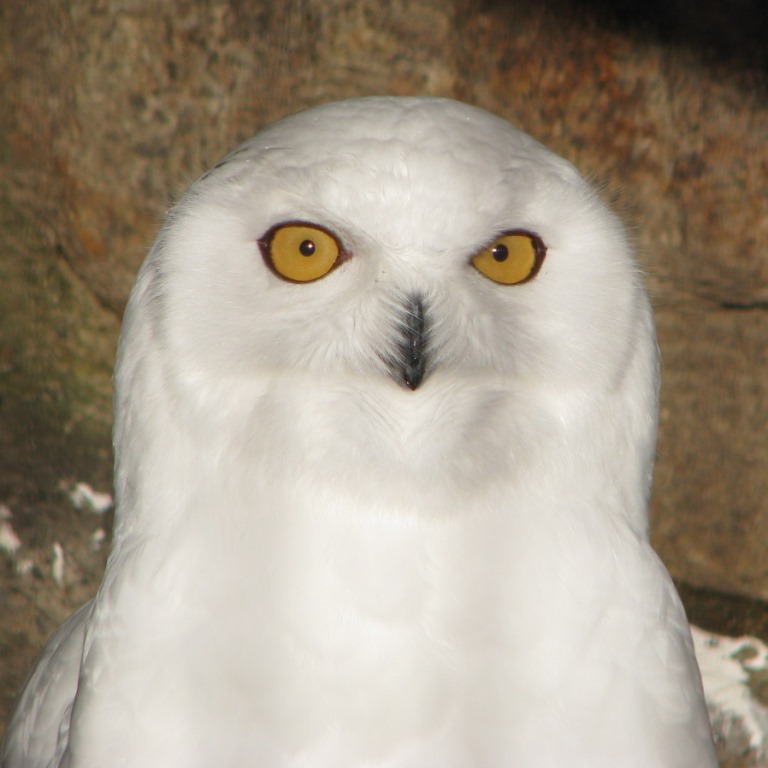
[[511, 258], [300, 252]]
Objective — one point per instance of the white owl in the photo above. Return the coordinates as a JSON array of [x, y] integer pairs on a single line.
[[385, 411]]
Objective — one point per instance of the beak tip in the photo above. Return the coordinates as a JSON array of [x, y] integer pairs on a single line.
[[413, 379]]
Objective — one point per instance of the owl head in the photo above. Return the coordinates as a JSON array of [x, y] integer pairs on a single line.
[[376, 263]]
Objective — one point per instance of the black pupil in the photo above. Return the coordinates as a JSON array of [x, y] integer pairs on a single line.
[[499, 252], [307, 248]]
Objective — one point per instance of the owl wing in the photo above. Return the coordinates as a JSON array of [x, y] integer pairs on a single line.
[[653, 683], [38, 730]]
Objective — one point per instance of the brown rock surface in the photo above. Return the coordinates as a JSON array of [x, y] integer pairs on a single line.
[[109, 109]]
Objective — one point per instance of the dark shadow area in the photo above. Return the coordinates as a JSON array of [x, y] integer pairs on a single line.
[[733, 33], [726, 614]]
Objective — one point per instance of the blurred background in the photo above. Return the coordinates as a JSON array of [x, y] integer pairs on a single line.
[[110, 108]]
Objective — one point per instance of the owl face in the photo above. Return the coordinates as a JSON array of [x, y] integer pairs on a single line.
[[401, 242], [405, 302], [387, 289]]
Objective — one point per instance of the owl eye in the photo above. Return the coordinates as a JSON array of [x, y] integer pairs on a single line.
[[300, 252], [512, 258]]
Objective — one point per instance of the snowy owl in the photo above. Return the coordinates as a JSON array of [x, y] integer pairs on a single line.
[[385, 416]]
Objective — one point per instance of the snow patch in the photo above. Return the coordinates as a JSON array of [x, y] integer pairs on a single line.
[[9, 541], [57, 567], [726, 664], [97, 539], [84, 497]]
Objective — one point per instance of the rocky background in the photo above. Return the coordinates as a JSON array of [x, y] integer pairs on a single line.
[[109, 108]]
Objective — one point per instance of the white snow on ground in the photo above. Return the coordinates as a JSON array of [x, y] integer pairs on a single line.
[[57, 567], [9, 541], [726, 664], [84, 497]]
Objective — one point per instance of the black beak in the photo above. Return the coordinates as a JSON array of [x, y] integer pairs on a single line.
[[412, 355]]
